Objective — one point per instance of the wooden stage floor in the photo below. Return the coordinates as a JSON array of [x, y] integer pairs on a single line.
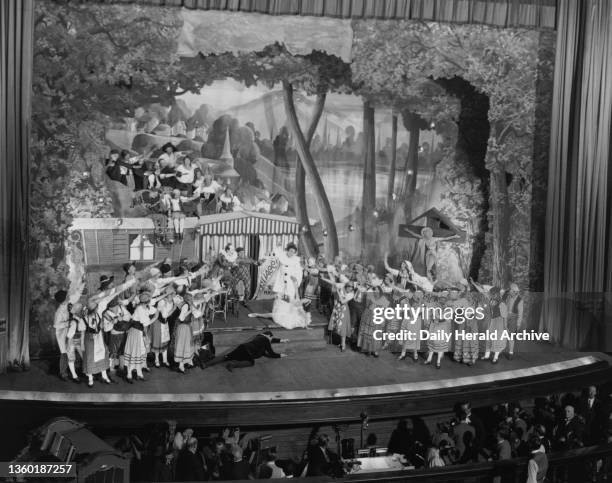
[[316, 382], [313, 369]]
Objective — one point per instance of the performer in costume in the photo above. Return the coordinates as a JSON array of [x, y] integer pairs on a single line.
[[183, 339], [75, 338], [245, 354], [197, 319], [116, 322], [365, 339], [357, 305], [135, 352], [514, 303], [497, 324], [438, 328], [326, 300], [340, 320], [242, 276], [288, 309], [466, 351], [160, 329], [311, 277], [427, 250], [413, 327], [96, 352], [403, 276], [400, 282], [60, 324]]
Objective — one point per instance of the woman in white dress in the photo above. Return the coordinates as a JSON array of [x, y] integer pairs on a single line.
[[288, 310]]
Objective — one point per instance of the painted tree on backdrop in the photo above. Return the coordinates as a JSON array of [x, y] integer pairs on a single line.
[[92, 64], [315, 74], [501, 63]]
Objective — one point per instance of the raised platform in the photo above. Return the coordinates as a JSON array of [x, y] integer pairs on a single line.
[[316, 383]]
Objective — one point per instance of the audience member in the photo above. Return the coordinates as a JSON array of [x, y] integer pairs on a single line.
[[190, 465]]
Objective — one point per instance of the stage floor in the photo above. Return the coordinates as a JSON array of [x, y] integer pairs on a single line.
[[313, 369], [243, 321]]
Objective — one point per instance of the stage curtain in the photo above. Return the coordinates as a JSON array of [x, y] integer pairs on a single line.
[[502, 13], [16, 43], [578, 249]]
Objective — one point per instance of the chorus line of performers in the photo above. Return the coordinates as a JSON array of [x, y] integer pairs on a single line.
[[154, 311], [355, 292], [115, 329]]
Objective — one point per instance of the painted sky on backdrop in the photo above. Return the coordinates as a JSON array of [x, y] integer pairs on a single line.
[[214, 32]]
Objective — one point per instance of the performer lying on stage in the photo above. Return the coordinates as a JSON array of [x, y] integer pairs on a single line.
[[245, 354], [288, 309]]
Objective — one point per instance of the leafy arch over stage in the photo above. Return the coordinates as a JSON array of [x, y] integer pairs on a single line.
[[399, 59]]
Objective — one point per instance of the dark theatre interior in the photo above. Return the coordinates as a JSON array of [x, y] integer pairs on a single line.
[[339, 405]]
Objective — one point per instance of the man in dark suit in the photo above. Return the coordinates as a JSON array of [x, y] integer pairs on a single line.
[[190, 463], [591, 409], [459, 431], [245, 354], [570, 433], [480, 432], [320, 458]]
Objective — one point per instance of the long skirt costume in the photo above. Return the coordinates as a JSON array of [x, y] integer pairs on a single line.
[[311, 291], [96, 353], [160, 329], [135, 352], [437, 329], [497, 325], [340, 320], [466, 350], [413, 327], [183, 338], [365, 339]]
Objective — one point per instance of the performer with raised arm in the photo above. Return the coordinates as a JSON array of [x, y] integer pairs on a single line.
[[241, 276], [156, 283], [365, 338], [75, 343], [135, 352], [288, 310], [413, 327], [466, 349], [160, 337], [403, 276], [440, 330], [498, 314], [60, 324], [96, 353], [116, 322], [400, 295], [340, 320], [515, 306], [427, 251]]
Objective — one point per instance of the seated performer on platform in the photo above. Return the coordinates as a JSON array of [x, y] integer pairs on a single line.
[[245, 354], [288, 309], [427, 250]]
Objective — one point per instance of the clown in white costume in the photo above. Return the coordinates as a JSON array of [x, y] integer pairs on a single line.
[[288, 310]]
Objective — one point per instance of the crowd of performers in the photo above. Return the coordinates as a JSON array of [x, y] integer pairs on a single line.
[[172, 184], [353, 292], [156, 310], [153, 312]]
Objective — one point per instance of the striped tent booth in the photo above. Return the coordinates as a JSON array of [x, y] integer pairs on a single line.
[[260, 234]]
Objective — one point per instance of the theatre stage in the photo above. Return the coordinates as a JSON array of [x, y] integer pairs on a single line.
[[315, 383]]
